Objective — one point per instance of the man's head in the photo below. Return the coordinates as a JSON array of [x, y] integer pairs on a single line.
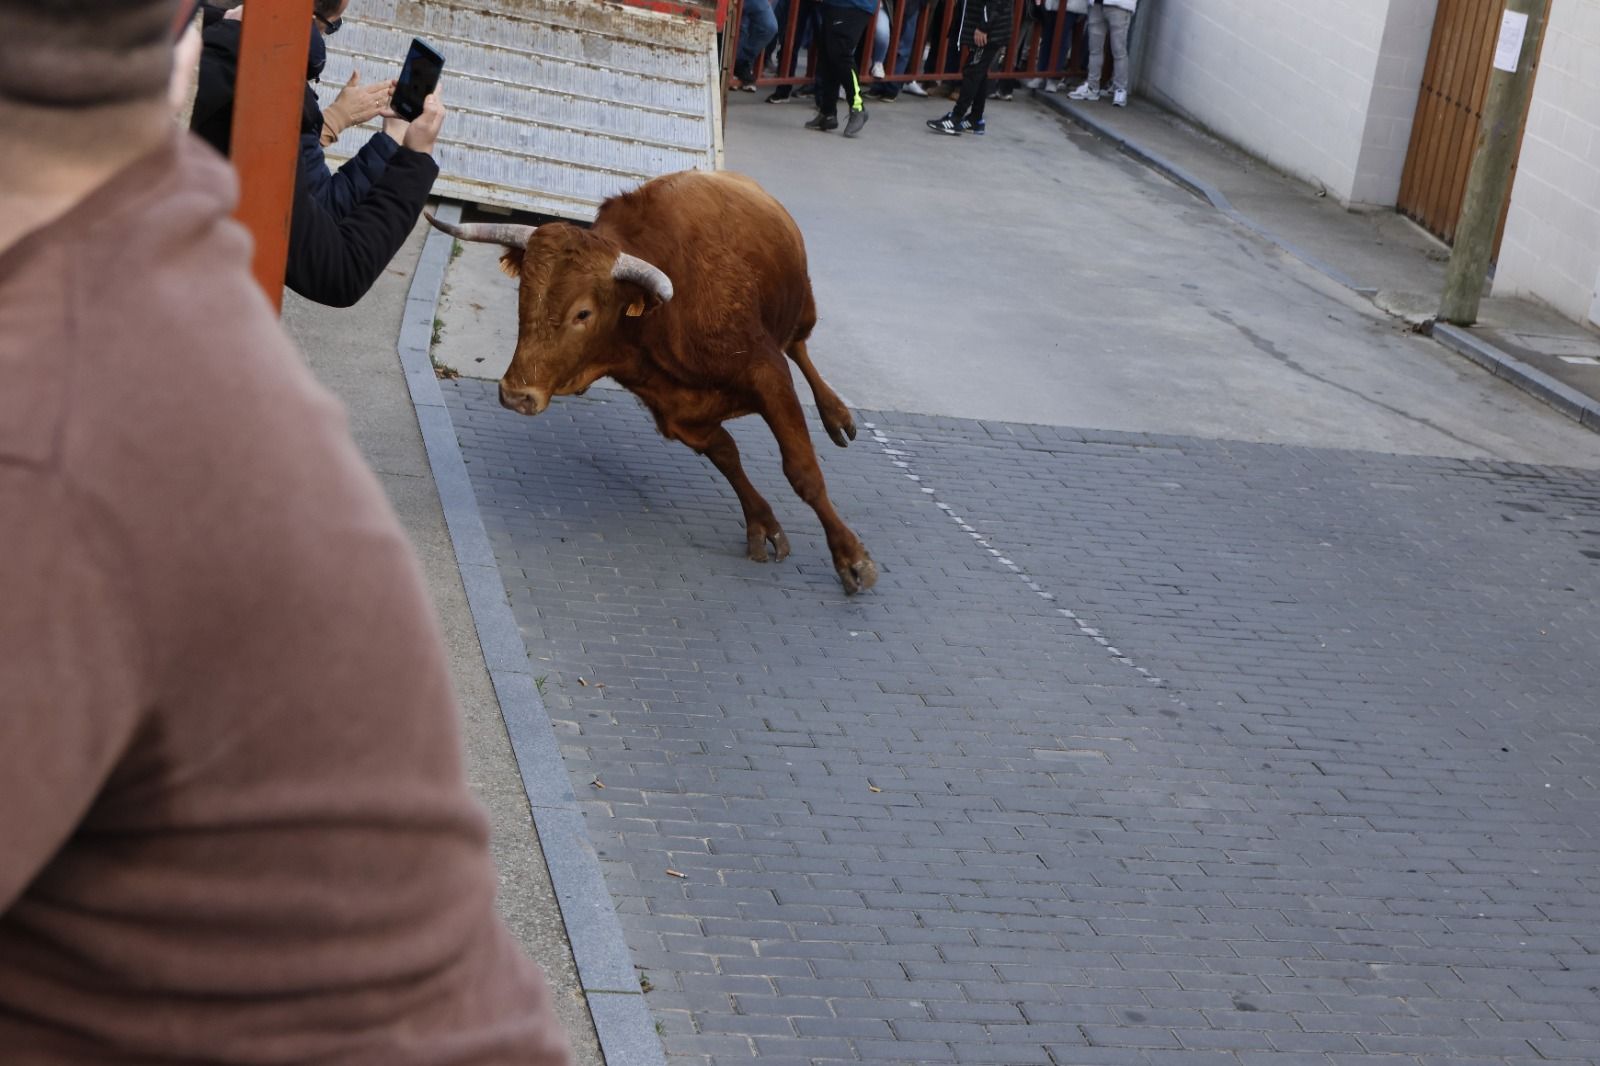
[[328, 13], [85, 53]]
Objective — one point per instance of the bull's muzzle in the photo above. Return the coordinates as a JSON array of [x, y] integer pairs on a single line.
[[523, 401]]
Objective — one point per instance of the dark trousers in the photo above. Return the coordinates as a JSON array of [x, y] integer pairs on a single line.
[[842, 30], [975, 81]]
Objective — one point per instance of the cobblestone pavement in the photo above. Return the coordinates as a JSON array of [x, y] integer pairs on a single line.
[[1144, 749]]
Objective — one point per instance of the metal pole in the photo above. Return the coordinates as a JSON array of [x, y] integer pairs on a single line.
[[271, 84], [1510, 86]]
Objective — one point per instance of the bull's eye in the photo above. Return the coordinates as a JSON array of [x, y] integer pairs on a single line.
[[583, 316]]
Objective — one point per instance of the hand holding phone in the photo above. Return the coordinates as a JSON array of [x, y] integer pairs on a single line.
[[421, 135], [418, 79]]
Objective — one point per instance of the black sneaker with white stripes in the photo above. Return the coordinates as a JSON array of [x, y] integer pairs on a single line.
[[945, 124]]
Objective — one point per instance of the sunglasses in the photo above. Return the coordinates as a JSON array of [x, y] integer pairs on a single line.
[[329, 26]]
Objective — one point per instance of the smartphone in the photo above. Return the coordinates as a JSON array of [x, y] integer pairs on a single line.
[[418, 78]]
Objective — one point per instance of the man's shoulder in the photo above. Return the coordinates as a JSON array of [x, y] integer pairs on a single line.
[[33, 398], [133, 315]]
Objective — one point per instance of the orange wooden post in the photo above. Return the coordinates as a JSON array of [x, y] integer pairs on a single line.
[[266, 129]]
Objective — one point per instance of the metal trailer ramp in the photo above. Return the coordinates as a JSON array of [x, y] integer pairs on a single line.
[[554, 105]]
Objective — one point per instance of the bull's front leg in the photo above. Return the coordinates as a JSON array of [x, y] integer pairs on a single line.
[[781, 408], [760, 524]]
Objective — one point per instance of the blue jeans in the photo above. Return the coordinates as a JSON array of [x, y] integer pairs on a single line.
[[1057, 38], [908, 35], [757, 27], [880, 36]]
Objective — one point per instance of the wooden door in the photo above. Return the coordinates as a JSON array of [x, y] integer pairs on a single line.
[[1449, 108], [1448, 112]]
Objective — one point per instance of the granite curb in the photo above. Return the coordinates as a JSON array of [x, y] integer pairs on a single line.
[[610, 982]]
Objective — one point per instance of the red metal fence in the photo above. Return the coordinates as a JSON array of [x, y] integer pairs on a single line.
[[935, 53]]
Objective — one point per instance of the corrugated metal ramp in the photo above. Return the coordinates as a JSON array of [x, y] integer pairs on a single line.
[[554, 104]]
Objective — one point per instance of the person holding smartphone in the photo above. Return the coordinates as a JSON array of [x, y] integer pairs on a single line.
[[234, 820], [346, 227]]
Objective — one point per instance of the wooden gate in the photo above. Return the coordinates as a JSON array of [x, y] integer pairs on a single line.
[[1449, 109]]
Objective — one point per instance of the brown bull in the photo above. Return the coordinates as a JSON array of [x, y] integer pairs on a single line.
[[689, 292]]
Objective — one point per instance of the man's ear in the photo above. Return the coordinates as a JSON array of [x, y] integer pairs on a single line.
[[511, 261]]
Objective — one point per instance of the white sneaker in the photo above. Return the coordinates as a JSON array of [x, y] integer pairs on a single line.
[[877, 70], [1084, 92], [1053, 85], [1121, 98], [1033, 83], [915, 90]]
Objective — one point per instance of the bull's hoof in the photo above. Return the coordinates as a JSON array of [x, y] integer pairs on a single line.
[[841, 427], [859, 575], [758, 539]]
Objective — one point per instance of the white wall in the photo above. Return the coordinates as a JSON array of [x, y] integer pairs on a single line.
[[1551, 248], [1323, 89], [1397, 79]]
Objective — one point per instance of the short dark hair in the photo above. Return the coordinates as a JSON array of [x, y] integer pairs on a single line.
[[83, 53], [326, 9]]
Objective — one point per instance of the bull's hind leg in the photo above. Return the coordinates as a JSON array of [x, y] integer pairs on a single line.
[[835, 415], [781, 408], [760, 524]]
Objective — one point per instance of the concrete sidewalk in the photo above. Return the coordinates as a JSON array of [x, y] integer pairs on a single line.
[[1378, 254]]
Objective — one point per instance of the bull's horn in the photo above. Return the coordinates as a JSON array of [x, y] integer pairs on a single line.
[[632, 268], [487, 232]]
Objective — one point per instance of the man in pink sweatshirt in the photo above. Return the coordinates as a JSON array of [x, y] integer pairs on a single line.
[[234, 826]]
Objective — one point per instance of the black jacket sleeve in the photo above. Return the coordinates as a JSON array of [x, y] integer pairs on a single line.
[[335, 261], [341, 190], [213, 99]]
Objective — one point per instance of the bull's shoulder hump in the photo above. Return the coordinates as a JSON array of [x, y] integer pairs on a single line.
[[731, 177], [715, 179]]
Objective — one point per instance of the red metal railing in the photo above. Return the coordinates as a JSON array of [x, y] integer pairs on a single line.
[[942, 62], [694, 9]]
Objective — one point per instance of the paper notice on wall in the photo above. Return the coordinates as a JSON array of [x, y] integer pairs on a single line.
[[1508, 50]]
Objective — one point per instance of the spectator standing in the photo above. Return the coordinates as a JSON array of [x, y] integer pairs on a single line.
[[902, 63], [758, 26], [1055, 41], [880, 41], [804, 33], [844, 22], [985, 32], [1107, 18]]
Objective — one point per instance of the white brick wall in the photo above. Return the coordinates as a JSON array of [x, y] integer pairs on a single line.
[[1324, 90], [1397, 77], [1551, 248]]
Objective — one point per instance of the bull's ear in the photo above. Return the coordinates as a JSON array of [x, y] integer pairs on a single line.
[[511, 262], [636, 300]]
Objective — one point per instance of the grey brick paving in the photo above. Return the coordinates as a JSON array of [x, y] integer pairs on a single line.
[[1145, 749]]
